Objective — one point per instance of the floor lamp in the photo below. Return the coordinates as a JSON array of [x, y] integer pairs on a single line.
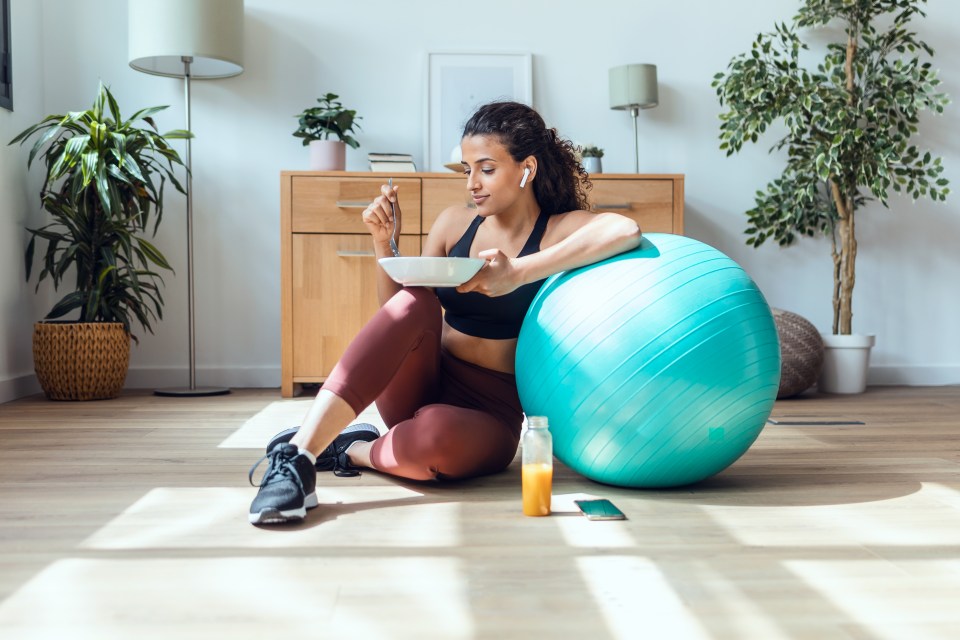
[[187, 39], [634, 87]]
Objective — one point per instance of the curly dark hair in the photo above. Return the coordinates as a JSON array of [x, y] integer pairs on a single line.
[[562, 183]]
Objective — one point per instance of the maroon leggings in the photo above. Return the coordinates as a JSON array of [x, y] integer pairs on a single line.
[[446, 418]]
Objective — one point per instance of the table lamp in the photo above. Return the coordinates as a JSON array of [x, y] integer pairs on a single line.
[[634, 87]]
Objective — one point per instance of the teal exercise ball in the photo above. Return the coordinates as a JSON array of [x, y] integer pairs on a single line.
[[656, 368]]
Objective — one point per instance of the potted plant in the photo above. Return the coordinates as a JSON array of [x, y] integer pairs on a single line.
[[101, 190], [590, 158], [319, 124], [848, 127]]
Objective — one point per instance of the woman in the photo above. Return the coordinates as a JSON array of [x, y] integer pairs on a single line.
[[444, 384]]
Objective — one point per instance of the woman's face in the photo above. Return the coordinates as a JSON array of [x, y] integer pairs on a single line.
[[493, 176]]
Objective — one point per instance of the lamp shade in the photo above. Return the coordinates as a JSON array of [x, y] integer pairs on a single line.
[[163, 32], [634, 86]]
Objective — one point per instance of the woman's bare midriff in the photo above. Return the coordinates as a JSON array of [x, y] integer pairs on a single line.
[[498, 355]]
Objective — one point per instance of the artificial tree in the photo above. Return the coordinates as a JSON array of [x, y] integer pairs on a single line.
[[848, 125]]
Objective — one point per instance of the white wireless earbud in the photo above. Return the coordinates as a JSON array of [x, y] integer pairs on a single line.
[[526, 174]]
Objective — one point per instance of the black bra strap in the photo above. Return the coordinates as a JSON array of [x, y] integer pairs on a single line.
[[462, 248], [536, 236]]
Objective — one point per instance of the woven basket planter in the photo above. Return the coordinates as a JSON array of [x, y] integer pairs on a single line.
[[81, 360]]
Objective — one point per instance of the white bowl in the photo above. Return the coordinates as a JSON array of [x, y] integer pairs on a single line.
[[431, 271]]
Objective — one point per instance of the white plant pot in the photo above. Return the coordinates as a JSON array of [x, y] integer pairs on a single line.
[[592, 165], [328, 155], [845, 363]]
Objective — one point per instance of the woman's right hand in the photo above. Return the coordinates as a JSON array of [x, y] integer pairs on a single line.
[[379, 218]]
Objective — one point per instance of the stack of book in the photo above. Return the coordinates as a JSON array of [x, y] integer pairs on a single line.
[[391, 162]]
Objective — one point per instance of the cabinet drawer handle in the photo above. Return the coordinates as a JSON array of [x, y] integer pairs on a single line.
[[355, 254], [354, 204], [612, 205]]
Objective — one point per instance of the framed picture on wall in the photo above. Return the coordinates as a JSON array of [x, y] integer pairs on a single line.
[[457, 83], [6, 65]]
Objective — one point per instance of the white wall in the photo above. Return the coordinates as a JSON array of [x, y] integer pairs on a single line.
[[18, 203], [371, 52]]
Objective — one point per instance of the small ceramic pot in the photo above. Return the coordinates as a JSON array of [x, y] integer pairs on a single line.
[[592, 165], [328, 155]]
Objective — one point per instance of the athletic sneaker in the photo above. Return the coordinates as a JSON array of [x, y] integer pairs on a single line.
[[287, 489], [334, 457]]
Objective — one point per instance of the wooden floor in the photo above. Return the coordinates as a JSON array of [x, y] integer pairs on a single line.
[[127, 519]]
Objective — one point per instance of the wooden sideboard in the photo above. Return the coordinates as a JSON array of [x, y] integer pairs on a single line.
[[327, 268]]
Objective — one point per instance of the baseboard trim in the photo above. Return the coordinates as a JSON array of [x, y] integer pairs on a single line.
[[19, 387], [233, 377], [161, 377], [912, 376]]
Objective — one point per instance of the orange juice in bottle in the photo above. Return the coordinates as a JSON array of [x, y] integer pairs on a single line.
[[537, 487], [537, 470]]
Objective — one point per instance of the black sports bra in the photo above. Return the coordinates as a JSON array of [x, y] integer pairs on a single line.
[[483, 316]]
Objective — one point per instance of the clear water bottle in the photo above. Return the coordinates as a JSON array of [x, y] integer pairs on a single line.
[[537, 467]]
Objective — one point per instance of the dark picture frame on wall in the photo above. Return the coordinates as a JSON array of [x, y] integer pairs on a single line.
[[6, 64]]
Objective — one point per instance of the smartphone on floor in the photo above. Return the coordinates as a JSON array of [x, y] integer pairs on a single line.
[[600, 509]]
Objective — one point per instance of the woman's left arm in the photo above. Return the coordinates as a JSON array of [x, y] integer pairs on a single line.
[[579, 238]]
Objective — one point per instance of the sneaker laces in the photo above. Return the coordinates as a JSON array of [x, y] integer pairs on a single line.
[[342, 467], [281, 464], [339, 462]]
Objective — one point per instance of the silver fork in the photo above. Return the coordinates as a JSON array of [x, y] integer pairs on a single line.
[[393, 241]]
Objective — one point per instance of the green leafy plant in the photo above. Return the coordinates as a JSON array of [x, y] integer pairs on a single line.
[[591, 151], [101, 190], [328, 120], [849, 124]]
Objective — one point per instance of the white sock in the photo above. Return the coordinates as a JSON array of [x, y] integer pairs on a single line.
[[309, 456]]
